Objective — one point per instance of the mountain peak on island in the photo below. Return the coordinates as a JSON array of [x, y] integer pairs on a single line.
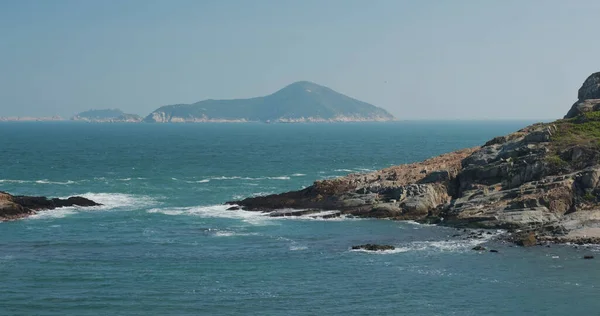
[[301, 101]]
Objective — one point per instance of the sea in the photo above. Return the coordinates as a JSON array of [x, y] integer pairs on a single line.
[[163, 243]]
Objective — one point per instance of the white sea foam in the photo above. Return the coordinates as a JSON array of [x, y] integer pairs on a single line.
[[250, 178], [297, 248], [455, 245], [383, 252], [46, 181], [124, 179], [279, 178], [203, 181], [227, 233], [298, 175], [55, 213], [120, 200], [217, 211], [13, 181], [109, 201], [343, 170]]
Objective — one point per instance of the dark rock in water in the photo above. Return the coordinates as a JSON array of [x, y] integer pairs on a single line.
[[479, 248], [234, 208], [373, 247], [494, 250], [15, 207], [588, 257]]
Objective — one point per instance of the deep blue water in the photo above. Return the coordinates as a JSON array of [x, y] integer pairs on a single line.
[[163, 245]]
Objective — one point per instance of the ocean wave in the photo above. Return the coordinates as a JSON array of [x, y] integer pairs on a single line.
[[343, 170], [279, 178], [298, 175], [120, 200], [45, 181], [297, 248], [250, 178], [216, 211], [55, 213], [228, 233], [42, 181], [13, 181], [109, 201], [456, 245]]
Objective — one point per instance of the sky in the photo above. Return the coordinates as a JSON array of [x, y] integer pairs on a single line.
[[420, 59]]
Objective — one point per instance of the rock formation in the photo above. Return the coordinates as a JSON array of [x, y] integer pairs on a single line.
[[15, 207], [542, 183]]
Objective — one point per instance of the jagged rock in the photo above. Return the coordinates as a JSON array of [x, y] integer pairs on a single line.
[[588, 257], [374, 247], [15, 207]]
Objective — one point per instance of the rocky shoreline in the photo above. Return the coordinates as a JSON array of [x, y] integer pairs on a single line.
[[14, 207], [540, 184]]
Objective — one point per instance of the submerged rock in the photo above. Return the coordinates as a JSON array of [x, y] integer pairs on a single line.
[[373, 247], [20, 206], [479, 248]]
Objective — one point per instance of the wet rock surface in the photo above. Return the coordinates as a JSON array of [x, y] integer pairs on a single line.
[[15, 207], [373, 247]]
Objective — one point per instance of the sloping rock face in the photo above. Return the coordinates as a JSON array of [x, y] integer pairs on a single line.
[[543, 179], [588, 97], [15, 207]]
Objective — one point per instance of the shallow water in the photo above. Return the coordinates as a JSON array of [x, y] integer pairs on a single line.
[[162, 243]]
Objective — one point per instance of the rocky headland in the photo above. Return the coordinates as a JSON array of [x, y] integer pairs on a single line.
[[540, 184], [19, 206]]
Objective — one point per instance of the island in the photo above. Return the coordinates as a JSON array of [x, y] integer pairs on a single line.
[[107, 116], [54, 118], [540, 184], [298, 102]]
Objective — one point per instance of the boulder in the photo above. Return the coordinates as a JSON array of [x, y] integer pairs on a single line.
[[526, 239]]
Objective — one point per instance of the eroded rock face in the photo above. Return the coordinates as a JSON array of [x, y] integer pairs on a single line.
[[15, 207]]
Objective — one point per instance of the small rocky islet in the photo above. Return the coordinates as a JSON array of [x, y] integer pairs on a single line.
[[541, 184], [14, 207]]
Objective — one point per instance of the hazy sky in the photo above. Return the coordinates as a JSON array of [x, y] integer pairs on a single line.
[[417, 59]]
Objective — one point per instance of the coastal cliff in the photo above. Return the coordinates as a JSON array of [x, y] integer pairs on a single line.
[[18, 206], [539, 183]]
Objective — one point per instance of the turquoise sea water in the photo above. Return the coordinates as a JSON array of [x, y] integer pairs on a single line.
[[162, 244]]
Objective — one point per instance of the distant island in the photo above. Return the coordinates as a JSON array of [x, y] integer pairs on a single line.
[[30, 118], [107, 116], [298, 102]]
